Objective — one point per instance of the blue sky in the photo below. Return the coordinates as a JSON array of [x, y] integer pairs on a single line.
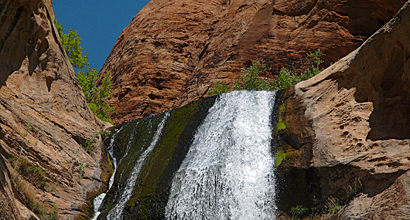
[[99, 23]]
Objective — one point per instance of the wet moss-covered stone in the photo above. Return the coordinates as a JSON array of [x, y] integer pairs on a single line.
[[133, 138], [150, 194]]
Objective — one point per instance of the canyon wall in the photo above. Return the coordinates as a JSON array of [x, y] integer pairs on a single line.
[[173, 51], [45, 122], [352, 120]]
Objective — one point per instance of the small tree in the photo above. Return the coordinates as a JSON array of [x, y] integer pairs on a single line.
[[97, 103], [87, 76], [71, 43]]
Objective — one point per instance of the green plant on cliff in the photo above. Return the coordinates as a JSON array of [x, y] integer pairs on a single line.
[[97, 101], [218, 88], [33, 174], [280, 155], [298, 212], [87, 76], [251, 80]]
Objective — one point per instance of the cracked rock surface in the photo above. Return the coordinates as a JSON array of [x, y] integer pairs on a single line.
[[355, 122], [173, 51], [44, 120]]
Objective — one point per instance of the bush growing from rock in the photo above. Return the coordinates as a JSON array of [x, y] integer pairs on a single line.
[[87, 76], [251, 80]]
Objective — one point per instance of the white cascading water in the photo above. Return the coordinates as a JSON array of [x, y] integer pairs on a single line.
[[115, 213], [98, 200], [228, 172]]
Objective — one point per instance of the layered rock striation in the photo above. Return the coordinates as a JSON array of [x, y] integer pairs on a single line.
[[45, 123], [173, 51], [352, 119]]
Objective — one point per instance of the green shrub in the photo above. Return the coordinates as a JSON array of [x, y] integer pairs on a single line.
[[298, 211], [97, 102], [33, 174], [87, 76], [219, 88], [107, 134], [285, 79], [251, 80], [89, 145]]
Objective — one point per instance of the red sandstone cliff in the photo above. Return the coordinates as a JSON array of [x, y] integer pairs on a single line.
[[353, 120], [173, 51], [44, 120]]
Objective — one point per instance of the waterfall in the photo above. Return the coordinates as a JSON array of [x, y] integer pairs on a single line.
[[98, 200], [228, 172], [115, 213]]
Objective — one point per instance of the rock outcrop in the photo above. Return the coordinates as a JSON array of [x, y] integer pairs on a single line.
[[44, 121], [173, 51], [353, 120]]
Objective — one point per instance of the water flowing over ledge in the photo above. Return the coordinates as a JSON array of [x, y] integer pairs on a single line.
[[228, 171], [98, 200], [210, 159]]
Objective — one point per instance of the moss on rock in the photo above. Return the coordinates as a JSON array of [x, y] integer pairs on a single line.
[[150, 194]]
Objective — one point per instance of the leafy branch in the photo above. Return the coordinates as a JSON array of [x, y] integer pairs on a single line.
[[87, 76]]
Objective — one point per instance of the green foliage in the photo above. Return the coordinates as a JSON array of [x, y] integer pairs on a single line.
[[71, 43], [298, 211], [81, 171], [280, 155], [280, 126], [251, 80], [285, 79], [87, 76], [34, 174], [42, 212], [333, 205], [29, 126], [89, 145], [87, 79], [219, 87], [97, 104], [81, 168], [107, 134]]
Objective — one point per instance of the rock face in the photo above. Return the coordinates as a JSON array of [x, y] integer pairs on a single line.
[[148, 198], [173, 51], [353, 120], [44, 120]]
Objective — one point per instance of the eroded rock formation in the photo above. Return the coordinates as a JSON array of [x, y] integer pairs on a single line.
[[44, 120], [173, 51], [353, 120]]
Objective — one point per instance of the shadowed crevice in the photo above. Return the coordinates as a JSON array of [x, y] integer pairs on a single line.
[[12, 25]]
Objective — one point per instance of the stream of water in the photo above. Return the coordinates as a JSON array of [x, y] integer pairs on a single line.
[[98, 200], [228, 172], [116, 212]]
